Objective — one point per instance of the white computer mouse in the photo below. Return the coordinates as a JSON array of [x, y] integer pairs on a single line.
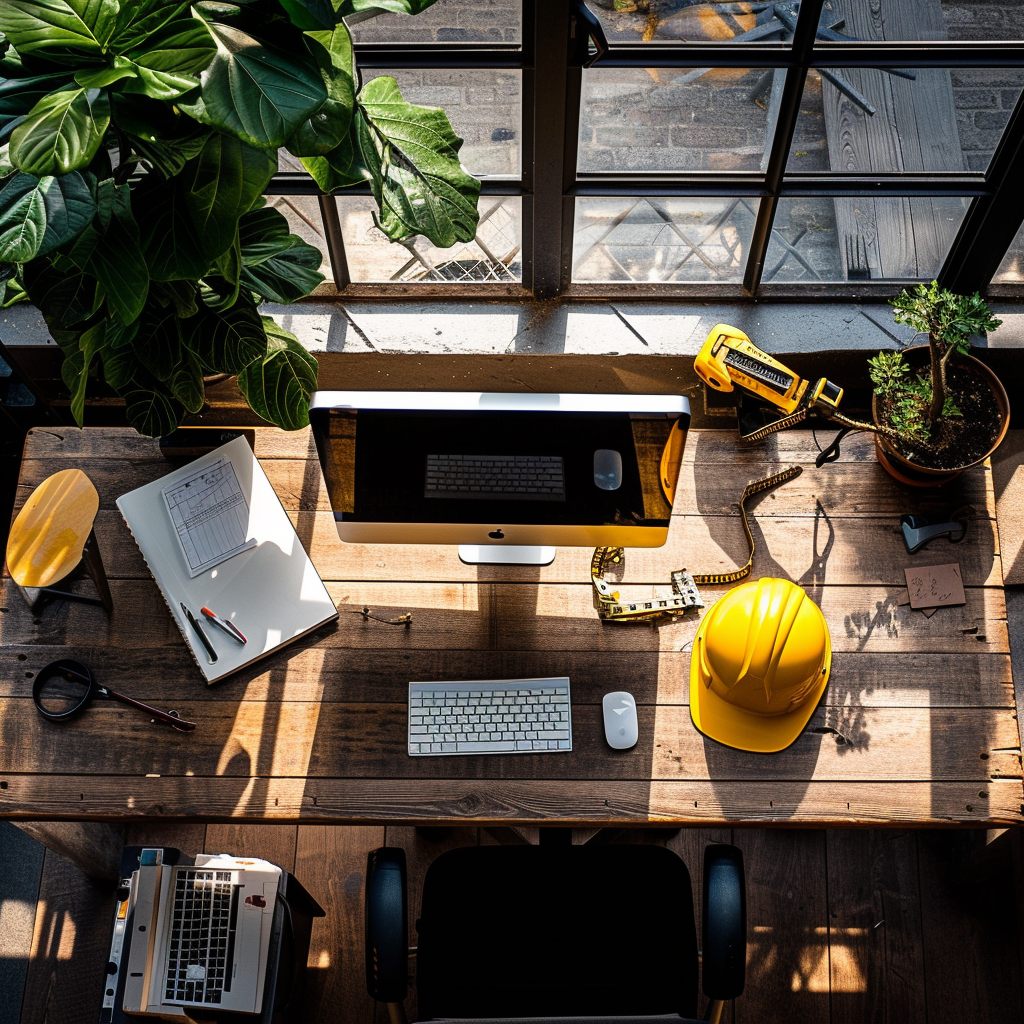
[[620, 725], [607, 469]]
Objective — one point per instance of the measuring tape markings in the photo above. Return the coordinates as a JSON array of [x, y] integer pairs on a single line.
[[684, 585]]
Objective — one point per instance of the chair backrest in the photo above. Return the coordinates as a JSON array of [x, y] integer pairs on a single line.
[[549, 931]]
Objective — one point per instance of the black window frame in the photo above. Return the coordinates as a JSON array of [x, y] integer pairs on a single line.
[[550, 56]]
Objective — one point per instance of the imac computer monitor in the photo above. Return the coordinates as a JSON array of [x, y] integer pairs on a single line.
[[500, 474]]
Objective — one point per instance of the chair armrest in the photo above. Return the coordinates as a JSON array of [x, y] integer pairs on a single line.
[[724, 953], [387, 925]]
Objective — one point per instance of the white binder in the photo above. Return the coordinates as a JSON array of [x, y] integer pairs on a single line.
[[271, 592]]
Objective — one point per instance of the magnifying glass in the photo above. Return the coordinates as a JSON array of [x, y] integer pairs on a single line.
[[63, 688]]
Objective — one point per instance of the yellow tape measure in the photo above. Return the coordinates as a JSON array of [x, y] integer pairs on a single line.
[[684, 585]]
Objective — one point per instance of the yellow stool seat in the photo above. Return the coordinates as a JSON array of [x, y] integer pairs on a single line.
[[47, 538]]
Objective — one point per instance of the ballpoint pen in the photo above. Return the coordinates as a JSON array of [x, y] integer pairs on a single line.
[[199, 629], [225, 624]]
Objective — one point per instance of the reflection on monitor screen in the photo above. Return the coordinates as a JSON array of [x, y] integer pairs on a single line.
[[499, 471]]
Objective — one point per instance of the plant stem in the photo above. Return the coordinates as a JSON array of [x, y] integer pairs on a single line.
[[938, 375], [874, 428]]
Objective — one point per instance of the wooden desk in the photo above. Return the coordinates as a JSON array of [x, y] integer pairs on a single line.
[[918, 725]]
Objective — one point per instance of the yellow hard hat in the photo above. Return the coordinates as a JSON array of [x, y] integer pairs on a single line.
[[759, 666]]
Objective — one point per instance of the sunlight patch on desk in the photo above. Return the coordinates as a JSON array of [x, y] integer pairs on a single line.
[[281, 759]]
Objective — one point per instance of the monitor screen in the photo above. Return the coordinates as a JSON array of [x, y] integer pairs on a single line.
[[472, 468]]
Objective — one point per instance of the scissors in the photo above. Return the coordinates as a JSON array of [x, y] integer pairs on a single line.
[[63, 688]]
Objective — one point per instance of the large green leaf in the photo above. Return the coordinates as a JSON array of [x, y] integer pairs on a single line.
[[226, 342], [69, 209], [121, 367], [186, 384], [62, 132], [162, 350], [168, 235], [395, 6], [278, 387], [329, 125], [168, 64], [166, 139], [97, 78], [18, 95], [259, 94], [276, 264], [142, 19], [311, 14], [66, 295], [22, 218], [415, 174], [220, 185], [112, 253], [338, 169], [55, 25], [91, 343], [152, 411]]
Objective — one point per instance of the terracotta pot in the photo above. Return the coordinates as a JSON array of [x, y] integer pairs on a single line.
[[909, 472]]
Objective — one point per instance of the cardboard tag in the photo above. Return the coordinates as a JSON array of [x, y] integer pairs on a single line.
[[935, 586]]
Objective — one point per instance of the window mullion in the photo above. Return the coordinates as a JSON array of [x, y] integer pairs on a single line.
[[550, 93], [789, 111]]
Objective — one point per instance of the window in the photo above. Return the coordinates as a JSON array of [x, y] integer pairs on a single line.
[[716, 149]]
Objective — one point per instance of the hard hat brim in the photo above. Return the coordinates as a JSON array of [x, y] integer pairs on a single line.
[[736, 727]]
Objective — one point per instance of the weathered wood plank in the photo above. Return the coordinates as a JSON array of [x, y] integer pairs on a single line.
[[705, 488], [74, 920], [808, 550], [511, 801], [295, 740], [874, 928], [969, 931], [913, 129], [330, 863], [162, 676], [93, 847], [510, 616], [787, 964], [275, 843]]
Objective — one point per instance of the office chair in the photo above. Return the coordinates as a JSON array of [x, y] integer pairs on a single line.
[[517, 932]]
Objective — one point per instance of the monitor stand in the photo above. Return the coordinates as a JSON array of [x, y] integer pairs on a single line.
[[505, 554]]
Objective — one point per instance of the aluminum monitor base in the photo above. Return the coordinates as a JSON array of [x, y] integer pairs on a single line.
[[505, 554]]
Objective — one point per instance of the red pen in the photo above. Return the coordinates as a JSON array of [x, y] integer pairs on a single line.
[[225, 624]]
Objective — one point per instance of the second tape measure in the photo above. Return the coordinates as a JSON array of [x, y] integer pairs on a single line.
[[685, 593]]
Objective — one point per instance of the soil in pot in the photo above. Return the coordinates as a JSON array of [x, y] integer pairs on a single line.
[[956, 441]]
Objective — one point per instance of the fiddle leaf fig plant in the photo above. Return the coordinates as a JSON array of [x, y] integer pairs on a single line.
[[140, 138]]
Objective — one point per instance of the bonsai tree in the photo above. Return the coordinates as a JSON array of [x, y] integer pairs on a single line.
[[915, 403], [141, 137]]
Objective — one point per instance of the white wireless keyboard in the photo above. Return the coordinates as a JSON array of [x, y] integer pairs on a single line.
[[487, 716]]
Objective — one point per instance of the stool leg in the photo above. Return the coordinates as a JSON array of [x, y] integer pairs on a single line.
[[93, 562]]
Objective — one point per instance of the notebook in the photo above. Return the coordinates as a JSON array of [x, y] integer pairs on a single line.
[[269, 589]]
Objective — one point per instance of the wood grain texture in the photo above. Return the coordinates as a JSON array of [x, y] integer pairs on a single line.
[[787, 967], [970, 933], [330, 863], [509, 801], [919, 712], [74, 918], [164, 676], [875, 939], [308, 740], [913, 129], [515, 617], [275, 843]]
